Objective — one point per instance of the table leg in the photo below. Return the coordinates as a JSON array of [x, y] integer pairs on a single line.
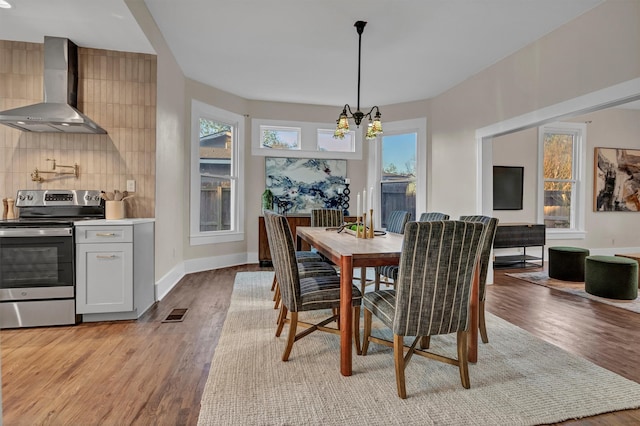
[[473, 312], [346, 315]]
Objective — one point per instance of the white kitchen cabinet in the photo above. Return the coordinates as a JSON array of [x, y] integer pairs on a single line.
[[114, 269]]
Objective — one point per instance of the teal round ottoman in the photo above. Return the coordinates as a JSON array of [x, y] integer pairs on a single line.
[[567, 263], [613, 277]]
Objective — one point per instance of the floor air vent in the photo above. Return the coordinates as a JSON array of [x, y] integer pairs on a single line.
[[176, 315]]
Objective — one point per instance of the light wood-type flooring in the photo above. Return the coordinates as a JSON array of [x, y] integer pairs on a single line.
[[147, 372]]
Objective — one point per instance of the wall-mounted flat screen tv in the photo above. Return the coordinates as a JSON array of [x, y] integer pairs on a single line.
[[507, 187]]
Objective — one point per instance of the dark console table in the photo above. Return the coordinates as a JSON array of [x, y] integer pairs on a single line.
[[520, 235], [264, 254]]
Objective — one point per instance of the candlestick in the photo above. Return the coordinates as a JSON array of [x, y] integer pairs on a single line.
[[371, 223], [364, 201], [345, 199]]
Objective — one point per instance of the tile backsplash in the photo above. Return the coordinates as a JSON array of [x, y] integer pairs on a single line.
[[118, 91]]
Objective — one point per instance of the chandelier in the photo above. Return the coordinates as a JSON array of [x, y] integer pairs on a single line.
[[375, 125]]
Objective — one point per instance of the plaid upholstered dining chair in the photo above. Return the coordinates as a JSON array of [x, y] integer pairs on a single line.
[[309, 263], [431, 216], [396, 223], [432, 294], [304, 293], [326, 217], [391, 272], [491, 225]]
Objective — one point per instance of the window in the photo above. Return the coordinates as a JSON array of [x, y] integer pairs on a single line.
[[216, 166], [285, 138], [562, 175], [301, 139], [401, 179], [326, 141], [398, 179]]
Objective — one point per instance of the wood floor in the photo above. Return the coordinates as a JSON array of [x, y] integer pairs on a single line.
[[147, 372]]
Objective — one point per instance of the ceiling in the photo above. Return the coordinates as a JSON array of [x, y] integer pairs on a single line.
[[306, 51]]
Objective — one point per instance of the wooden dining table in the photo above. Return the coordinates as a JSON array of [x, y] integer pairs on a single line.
[[348, 252]]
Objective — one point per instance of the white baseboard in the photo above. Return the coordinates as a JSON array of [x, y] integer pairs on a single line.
[[217, 262], [173, 277], [609, 251], [169, 280]]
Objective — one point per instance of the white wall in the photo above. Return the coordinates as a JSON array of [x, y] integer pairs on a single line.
[[599, 49], [171, 149], [572, 61], [611, 128]]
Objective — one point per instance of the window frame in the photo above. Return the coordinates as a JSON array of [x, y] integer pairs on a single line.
[[578, 199], [236, 121], [374, 178], [309, 140], [295, 130]]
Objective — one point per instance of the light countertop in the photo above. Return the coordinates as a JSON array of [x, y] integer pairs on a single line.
[[105, 222]]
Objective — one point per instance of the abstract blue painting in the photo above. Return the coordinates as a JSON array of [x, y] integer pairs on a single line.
[[301, 184]]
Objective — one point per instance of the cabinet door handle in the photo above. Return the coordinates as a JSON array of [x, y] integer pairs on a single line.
[[105, 256], [105, 234]]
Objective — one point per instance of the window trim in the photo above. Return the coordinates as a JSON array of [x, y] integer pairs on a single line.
[[197, 237], [374, 176], [296, 130], [578, 205], [309, 140]]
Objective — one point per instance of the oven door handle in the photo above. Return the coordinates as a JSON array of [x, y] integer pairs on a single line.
[[36, 232]]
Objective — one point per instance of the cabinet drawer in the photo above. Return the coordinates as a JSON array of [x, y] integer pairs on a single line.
[[104, 234]]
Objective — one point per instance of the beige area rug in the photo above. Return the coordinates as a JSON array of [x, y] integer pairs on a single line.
[[518, 380], [576, 288]]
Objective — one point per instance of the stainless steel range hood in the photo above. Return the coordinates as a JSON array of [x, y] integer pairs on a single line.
[[58, 113]]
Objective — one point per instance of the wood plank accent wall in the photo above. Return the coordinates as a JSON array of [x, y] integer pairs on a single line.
[[118, 91]]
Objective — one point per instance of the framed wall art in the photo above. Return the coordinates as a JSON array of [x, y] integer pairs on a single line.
[[302, 184], [617, 179]]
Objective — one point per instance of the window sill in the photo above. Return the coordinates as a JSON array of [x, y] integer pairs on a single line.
[[202, 239], [553, 234]]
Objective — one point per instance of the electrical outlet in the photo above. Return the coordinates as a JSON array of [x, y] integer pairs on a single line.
[[131, 186]]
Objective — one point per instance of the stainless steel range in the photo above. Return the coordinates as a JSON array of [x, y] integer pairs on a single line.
[[37, 256]]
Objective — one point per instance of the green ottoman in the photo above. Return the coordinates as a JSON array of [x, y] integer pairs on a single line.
[[613, 277], [567, 263]]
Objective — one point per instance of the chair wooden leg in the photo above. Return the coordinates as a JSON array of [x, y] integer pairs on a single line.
[[274, 287], [425, 341], [363, 279], [482, 324], [276, 297], [293, 325], [398, 355], [279, 319], [356, 329], [367, 331], [377, 279], [463, 355], [282, 318]]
